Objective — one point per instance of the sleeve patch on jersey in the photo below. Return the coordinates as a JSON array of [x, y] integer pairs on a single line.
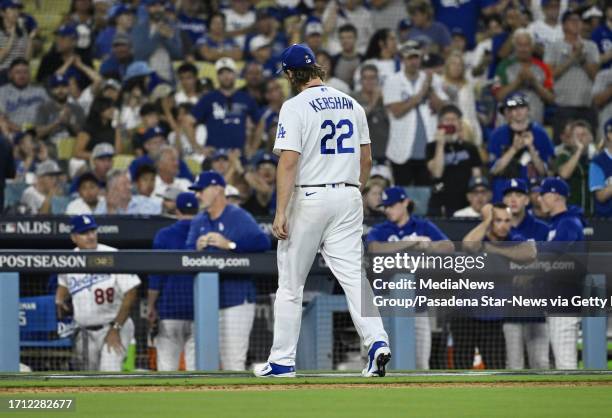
[[281, 132]]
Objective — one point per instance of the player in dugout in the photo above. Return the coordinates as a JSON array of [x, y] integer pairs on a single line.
[[101, 304], [224, 227], [529, 333], [170, 297], [404, 232], [484, 331]]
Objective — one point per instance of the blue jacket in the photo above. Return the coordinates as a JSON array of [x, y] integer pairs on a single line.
[[175, 299], [237, 225]]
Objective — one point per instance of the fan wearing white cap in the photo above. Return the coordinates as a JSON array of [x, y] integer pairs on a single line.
[[261, 51], [37, 198]]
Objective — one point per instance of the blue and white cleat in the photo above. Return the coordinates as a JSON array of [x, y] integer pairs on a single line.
[[379, 355], [275, 370]]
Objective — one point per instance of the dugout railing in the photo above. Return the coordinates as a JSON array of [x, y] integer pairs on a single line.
[[314, 346]]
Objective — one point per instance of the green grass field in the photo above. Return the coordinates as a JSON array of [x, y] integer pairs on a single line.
[[406, 395]]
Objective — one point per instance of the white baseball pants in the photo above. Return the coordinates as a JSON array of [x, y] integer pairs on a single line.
[[329, 219], [175, 336], [235, 324], [94, 354], [563, 331], [533, 336], [422, 334]]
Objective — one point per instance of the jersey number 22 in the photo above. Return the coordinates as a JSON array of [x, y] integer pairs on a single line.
[[343, 123]]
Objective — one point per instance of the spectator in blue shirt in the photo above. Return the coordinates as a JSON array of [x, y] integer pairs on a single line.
[[190, 24], [157, 40], [600, 176], [404, 232], [121, 19], [446, 12], [225, 111], [566, 232], [519, 149], [170, 297], [216, 44], [228, 228], [119, 58], [530, 333], [602, 36], [432, 35]]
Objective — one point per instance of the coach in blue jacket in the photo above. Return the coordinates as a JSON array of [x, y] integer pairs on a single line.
[[170, 297], [225, 227]]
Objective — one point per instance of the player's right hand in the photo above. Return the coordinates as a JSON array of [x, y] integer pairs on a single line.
[[280, 229], [113, 342]]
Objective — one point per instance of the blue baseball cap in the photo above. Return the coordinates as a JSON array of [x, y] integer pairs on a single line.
[[82, 223], [9, 4], [297, 56], [137, 69], [392, 195], [153, 132], [458, 32], [515, 100], [58, 80], [479, 181], [555, 185], [515, 185], [265, 157], [153, 2], [404, 24], [208, 178], [186, 200], [67, 30]]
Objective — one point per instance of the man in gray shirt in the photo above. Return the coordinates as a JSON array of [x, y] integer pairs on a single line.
[[574, 62], [346, 62], [56, 118], [19, 99]]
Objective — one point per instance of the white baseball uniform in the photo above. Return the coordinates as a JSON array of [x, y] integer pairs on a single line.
[[327, 128], [96, 299]]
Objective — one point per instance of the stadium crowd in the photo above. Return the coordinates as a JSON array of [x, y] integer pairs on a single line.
[[471, 102]]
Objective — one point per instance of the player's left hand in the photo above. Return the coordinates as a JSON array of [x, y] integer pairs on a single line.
[[280, 227], [113, 341]]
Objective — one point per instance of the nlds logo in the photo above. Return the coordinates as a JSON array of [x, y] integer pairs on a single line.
[[26, 228]]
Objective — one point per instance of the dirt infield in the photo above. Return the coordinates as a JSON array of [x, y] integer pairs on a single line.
[[283, 387]]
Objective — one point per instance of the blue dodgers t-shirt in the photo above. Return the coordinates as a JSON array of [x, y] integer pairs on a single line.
[[602, 36], [225, 117], [447, 12], [391, 232], [237, 225], [521, 165], [194, 27], [175, 299]]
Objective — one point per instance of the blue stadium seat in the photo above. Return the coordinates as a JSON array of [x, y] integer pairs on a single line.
[[12, 193], [38, 323]]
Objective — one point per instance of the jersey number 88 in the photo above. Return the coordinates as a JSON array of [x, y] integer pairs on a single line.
[[101, 295]]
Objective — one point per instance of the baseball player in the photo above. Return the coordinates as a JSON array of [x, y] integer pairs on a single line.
[[404, 232], [170, 297], [324, 146], [565, 227], [525, 333], [101, 303]]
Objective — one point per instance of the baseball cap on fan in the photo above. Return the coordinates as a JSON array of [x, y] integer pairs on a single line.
[[225, 63], [297, 56], [516, 185], [392, 195], [555, 185], [186, 201]]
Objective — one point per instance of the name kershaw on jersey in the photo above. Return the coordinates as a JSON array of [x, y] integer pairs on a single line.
[[322, 103]]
